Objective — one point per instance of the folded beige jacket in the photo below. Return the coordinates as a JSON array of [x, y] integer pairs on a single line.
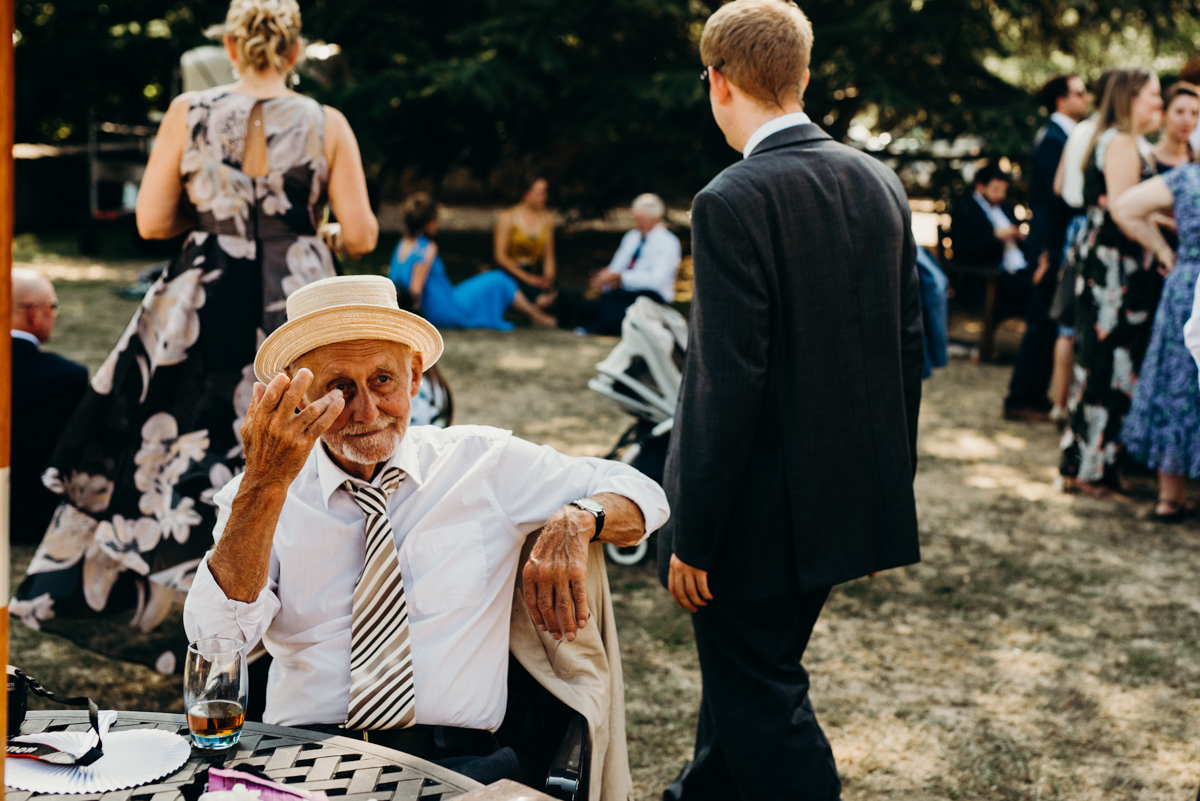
[[585, 675]]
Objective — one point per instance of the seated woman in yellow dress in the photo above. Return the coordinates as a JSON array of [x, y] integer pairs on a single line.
[[524, 244]]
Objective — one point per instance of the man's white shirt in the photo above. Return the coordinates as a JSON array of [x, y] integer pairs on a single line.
[[471, 496], [774, 126], [25, 335], [656, 265]]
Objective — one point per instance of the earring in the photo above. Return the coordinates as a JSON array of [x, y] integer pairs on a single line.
[[237, 75]]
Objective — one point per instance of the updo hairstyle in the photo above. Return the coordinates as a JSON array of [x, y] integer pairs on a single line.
[[264, 32], [418, 211]]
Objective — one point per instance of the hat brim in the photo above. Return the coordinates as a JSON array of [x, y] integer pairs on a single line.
[[346, 323]]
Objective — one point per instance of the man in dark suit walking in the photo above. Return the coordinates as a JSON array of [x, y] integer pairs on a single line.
[[46, 388], [1067, 99], [791, 462]]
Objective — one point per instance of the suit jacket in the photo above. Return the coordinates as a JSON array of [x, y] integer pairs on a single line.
[[974, 236], [792, 456], [1051, 215], [46, 388]]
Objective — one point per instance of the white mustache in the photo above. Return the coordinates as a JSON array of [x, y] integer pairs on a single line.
[[358, 429]]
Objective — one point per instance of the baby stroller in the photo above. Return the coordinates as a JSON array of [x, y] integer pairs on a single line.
[[642, 375]]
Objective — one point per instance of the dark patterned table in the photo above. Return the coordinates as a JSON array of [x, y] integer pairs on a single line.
[[345, 769]]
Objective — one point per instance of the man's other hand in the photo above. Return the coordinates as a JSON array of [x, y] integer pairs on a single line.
[[555, 577], [281, 428], [688, 585]]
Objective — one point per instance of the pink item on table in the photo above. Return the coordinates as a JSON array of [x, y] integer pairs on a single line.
[[223, 779]]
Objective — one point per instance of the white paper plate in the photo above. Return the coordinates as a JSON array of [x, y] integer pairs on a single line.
[[131, 758]]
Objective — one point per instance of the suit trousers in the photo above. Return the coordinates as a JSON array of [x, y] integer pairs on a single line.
[[1035, 360], [758, 737]]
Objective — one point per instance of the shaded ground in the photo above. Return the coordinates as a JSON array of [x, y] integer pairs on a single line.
[[1046, 648]]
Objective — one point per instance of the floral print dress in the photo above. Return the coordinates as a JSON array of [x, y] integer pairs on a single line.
[[159, 431], [1116, 292], [1162, 430]]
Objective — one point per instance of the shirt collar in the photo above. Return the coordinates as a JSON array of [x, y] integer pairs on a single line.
[[774, 126], [982, 201], [333, 477], [25, 335], [1063, 121]]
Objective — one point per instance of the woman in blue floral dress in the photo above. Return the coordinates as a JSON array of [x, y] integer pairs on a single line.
[[1162, 429], [246, 170]]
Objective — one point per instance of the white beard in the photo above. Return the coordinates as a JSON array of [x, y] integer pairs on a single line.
[[385, 438]]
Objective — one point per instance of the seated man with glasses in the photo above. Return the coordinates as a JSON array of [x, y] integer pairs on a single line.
[[46, 388], [376, 561]]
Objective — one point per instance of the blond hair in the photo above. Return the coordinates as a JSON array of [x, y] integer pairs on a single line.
[[1116, 108], [762, 46], [264, 32]]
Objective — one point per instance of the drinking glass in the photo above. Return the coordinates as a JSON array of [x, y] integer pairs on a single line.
[[214, 691]]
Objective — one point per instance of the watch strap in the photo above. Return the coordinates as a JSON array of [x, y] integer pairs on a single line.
[[587, 504]]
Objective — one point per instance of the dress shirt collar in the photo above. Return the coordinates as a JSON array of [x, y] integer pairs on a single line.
[[982, 201], [774, 126], [333, 477], [25, 335], [1063, 121]]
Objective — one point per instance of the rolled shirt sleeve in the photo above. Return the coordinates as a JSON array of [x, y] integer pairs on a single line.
[[536, 481], [209, 613]]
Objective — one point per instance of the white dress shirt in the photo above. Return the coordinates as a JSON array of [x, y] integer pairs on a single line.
[[774, 126], [1064, 122], [470, 497], [25, 335], [656, 265], [1014, 260]]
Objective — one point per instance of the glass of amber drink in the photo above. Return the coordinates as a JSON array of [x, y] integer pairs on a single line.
[[214, 692]]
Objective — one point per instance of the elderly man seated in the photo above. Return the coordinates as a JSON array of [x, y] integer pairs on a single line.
[[643, 266], [376, 562]]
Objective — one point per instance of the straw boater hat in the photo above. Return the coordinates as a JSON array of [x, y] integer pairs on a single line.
[[343, 309]]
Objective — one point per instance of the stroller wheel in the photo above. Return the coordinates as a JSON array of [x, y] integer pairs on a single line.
[[626, 556]]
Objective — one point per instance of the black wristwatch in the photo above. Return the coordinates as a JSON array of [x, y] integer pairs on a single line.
[[588, 505]]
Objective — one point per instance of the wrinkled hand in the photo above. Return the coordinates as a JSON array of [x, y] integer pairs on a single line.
[[280, 428], [1043, 266], [555, 576], [688, 585]]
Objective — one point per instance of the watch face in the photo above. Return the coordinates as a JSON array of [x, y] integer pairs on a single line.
[[588, 505]]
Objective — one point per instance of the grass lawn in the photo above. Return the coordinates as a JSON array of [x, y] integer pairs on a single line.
[[1048, 646]]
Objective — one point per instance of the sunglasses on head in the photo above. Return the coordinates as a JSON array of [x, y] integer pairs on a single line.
[[705, 80]]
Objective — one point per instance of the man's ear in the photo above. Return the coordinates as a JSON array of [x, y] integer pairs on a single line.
[[804, 83], [416, 369], [722, 89]]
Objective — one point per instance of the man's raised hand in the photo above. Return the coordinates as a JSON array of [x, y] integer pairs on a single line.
[[281, 427]]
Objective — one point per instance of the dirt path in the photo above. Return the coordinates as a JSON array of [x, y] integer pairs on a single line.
[[1046, 648]]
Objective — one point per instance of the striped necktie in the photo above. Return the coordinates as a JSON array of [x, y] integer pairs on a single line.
[[381, 674]]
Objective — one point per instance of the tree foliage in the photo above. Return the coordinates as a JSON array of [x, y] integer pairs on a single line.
[[602, 97]]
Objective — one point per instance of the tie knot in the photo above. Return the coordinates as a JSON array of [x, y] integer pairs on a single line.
[[373, 500]]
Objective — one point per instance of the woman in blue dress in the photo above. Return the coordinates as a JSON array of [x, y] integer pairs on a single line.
[[1162, 429], [478, 302]]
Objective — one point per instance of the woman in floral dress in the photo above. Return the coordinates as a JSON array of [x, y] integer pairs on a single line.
[[1116, 288], [159, 431], [1162, 430]]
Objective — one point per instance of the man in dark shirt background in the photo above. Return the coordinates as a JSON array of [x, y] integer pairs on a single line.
[[46, 388]]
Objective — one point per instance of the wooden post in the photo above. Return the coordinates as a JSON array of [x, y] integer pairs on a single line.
[[7, 216]]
